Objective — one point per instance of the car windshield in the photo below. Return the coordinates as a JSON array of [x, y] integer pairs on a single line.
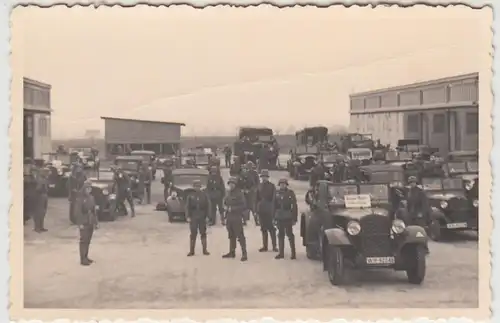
[[187, 179], [106, 176], [452, 183], [84, 151], [432, 184], [355, 154], [127, 164], [412, 148], [473, 167], [264, 138], [392, 155], [332, 158], [337, 193], [405, 155], [359, 137], [376, 192], [387, 177], [457, 167]]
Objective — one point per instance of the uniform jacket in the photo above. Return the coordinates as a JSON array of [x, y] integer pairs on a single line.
[[246, 181], [75, 183], [264, 199], [310, 197], [318, 173], [146, 175], [417, 200], [85, 210], [255, 177], [167, 176], [285, 203], [215, 186], [121, 183], [198, 205], [228, 152], [235, 204]]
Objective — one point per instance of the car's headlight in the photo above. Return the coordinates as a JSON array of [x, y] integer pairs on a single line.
[[398, 226], [105, 192], [174, 194], [443, 204], [112, 196], [475, 203], [353, 228], [469, 185]]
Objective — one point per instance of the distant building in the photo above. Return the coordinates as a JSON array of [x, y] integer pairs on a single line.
[[158, 136], [36, 121], [441, 113]]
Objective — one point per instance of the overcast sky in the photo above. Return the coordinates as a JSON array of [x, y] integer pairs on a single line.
[[218, 68]]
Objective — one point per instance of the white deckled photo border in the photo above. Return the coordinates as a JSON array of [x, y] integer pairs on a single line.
[[11, 190]]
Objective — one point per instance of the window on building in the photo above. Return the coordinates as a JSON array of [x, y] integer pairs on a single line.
[[43, 126], [28, 95], [472, 123], [438, 123], [412, 123]]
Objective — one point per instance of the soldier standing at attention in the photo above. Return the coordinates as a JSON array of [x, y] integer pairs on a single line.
[[286, 217], [41, 199], [235, 206], [216, 191], [227, 155], [75, 184], [121, 186], [266, 193], [87, 221], [252, 171], [146, 176], [198, 209], [246, 183]]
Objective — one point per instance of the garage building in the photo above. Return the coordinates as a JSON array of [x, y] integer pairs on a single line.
[[36, 119], [441, 113], [158, 136]]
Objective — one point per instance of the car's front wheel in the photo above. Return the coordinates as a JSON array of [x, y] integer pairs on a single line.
[[416, 271], [434, 230], [335, 265]]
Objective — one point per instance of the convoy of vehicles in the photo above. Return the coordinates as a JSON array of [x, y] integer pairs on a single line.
[[252, 141]]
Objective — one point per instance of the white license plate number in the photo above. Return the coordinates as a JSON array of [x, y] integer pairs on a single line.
[[380, 260], [457, 225], [52, 185]]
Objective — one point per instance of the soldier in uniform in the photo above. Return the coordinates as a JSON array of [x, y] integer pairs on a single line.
[[246, 183], [122, 186], [40, 200], [235, 207], [318, 173], [75, 183], [29, 188], [198, 209], [252, 171], [286, 213], [235, 168], [227, 155], [311, 197], [87, 221], [167, 180], [417, 202], [264, 157], [216, 191], [266, 193], [145, 179]]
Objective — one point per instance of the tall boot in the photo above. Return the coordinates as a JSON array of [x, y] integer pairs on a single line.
[[243, 245], [281, 243], [204, 246], [292, 247], [232, 249], [192, 243], [87, 253], [273, 240], [83, 251], [264, 242]]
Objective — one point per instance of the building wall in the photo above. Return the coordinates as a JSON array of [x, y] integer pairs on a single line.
[[42, 138], [140, 132], [388, 127]]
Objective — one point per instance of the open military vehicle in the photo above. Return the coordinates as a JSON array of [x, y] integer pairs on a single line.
[[131, 165], [148, 158], [450, 209], [252, 140], [60, 171], [356, 140], [352, 226], [105, 198]]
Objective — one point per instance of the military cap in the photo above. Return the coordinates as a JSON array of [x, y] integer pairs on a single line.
[[264, 173], [196, 182], [412, 179], [232, 179], [283, 181]]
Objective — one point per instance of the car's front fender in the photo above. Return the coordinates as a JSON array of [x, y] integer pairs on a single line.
[[337, 237], [174, 205], [414, 234]]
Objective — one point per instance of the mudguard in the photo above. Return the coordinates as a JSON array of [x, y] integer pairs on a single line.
[[415, 234], [175, 206], [337, 237]]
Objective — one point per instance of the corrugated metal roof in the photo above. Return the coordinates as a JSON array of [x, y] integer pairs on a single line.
[[145, 121]]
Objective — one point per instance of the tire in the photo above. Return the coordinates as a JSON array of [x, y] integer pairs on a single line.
[[335, 265], [416, 273], [434, 230], [312, 252]]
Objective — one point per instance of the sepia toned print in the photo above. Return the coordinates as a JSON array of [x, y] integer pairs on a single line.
[[179, 161]]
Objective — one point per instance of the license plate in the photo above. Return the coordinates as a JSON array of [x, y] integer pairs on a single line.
[[52, 185], [457, 225], [380, 260]]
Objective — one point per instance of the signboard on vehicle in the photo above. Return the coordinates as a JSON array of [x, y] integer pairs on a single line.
[[357, 201]]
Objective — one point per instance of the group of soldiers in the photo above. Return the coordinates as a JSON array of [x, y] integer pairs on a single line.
[[248, 192]]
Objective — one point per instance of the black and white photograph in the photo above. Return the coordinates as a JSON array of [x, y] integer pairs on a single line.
[[255, 158]]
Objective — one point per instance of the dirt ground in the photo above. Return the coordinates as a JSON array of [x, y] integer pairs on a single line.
[[141, 263]]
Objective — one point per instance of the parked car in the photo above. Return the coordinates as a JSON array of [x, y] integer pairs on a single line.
[[105, 198], [451, 210], [60, 171], [300, 166], [149, 158], [181, 187], [88, 156], [353, 226], [131, 165]]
